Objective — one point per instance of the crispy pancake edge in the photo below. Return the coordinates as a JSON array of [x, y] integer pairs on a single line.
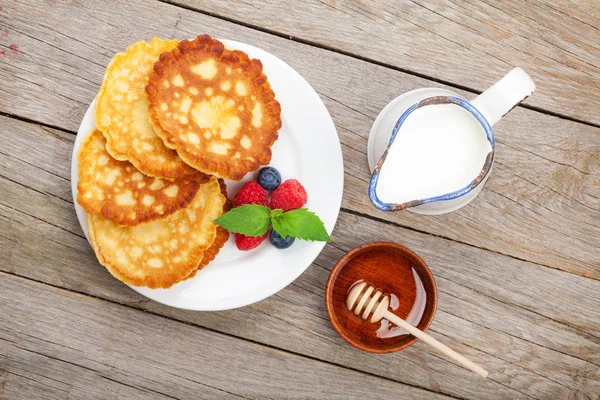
[[146, 282], [234, 57], [220, 239], [107, 207], [138, 161]]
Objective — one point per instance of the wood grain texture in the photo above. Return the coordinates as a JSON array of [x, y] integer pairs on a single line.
[[536, 329], [56, 344], [470, 44], [541, 204]]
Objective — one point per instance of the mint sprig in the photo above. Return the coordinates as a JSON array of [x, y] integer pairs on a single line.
[[255, 220]]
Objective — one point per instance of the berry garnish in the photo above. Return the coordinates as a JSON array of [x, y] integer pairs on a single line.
[[251, 193], [251, 219], [280, 242], [245, 243], [290, 195], [255, 220], [269, 178]]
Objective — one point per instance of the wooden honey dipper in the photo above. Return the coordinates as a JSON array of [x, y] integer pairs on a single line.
[[360, 300]]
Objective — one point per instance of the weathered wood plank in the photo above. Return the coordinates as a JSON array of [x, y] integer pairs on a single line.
[[541, 204], [58, 344], [35, 372], [470, 44], [535, 328]]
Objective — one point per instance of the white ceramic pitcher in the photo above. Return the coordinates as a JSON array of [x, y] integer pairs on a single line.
[[486, 108]]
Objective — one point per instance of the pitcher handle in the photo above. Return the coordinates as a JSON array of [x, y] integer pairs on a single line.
[[504, 95]]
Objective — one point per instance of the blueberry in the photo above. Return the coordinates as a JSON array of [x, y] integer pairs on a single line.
[[278, 242], [269, 178]]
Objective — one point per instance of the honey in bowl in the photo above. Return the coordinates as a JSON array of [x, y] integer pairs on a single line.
[[394, 270]]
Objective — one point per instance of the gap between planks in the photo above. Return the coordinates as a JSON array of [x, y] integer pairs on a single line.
[[365, 59], [31, 121], [136, 307], [377, 219], [342, 209]]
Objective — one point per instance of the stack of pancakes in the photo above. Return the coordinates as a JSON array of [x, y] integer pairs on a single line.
[[173, 120]]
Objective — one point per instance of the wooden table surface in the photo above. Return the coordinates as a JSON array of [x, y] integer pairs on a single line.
[[518, 270]]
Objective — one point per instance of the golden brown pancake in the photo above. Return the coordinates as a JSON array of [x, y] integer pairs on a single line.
[[220, 239], [122, 112], [160, 253], [118, 191], [214, 106]]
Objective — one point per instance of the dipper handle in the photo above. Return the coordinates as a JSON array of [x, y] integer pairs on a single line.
[[366, 299]]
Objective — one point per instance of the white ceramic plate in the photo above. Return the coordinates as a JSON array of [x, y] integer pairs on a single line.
[[308, 149]]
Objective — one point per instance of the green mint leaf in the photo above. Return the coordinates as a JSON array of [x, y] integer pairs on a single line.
[[248, 219], [279, 226], [276, 213], [301, 224]]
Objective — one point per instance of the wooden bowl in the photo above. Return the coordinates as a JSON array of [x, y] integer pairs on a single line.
[[394, 270]]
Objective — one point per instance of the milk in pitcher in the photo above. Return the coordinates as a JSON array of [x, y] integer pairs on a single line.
[[439, 149]]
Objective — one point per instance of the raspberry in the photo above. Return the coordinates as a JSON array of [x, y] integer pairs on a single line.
[[246, 243], [290, 195], [251, 193]]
